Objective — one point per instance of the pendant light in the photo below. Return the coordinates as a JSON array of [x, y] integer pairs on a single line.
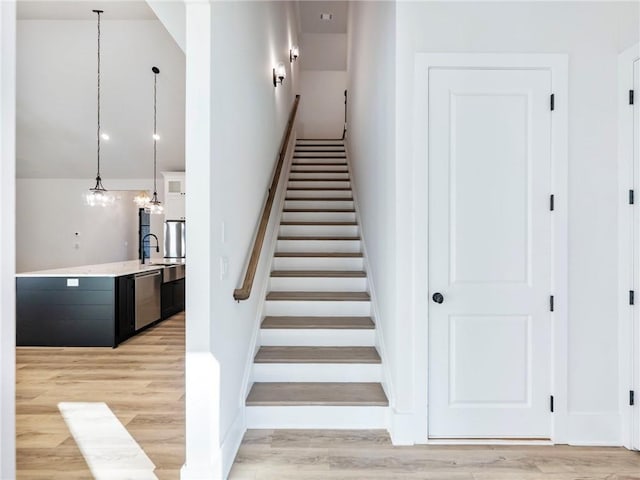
[[98, 195], [154, 205]]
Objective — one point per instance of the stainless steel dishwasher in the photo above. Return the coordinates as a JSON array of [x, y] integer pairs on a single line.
[[148, 287]]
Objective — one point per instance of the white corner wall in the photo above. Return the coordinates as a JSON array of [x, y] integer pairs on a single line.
[[592, 33], [46, 231], [323, 80], [229, 168], [7, 238], [322, 104], [371, 146]]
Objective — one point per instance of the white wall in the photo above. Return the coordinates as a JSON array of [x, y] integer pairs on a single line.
[[323, 51], [592, 33], [371, 146], [56, 114], [46, 230], [247, 119], [323, 64], [7, 239], [322, 104]]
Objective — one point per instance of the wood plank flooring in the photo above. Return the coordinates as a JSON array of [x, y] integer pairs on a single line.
[[142, 382], [369, 455]]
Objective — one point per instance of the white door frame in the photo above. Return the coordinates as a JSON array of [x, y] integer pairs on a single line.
[[627, 278], [7, 237], [557, 64]]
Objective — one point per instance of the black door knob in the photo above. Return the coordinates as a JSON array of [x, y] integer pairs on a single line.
[[437, 297]]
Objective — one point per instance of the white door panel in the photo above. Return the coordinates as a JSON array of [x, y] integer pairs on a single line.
[[489, 253]]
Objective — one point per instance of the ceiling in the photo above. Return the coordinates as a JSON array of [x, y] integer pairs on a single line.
[[82, 10], [56, 98], [311, 10]]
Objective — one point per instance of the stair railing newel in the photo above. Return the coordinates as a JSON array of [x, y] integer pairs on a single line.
[[244, 291]]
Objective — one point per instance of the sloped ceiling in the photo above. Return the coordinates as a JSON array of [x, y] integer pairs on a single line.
[[323, 43], [56, 94], [310, 21]]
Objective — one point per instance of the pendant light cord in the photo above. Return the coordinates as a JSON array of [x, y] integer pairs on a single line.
[[155, 133], [98, 174]]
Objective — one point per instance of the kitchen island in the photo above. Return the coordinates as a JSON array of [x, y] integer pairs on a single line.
[[95, 305]]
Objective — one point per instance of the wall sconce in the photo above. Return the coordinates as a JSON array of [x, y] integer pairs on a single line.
[[279, 74], [294, 52]]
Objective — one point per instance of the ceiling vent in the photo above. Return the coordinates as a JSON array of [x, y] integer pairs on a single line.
[[326, 16]]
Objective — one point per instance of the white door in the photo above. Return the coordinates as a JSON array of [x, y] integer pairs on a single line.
[[489, 253]]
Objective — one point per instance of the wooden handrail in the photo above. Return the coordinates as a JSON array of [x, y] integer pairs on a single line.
[[244, 291]]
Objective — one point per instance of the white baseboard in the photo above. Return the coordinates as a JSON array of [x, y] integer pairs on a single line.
[[401, 428], [210, 472], [595, 429], [232, 441]]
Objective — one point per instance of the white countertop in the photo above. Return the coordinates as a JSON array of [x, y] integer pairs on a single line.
[[116, 269]]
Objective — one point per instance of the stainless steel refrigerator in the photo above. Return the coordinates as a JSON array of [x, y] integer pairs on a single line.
[[174, 239]]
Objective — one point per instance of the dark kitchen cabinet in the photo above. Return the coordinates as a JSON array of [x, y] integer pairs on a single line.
[[126, 312], [173, 294]]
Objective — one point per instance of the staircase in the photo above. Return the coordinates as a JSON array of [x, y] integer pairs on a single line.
[[317, 366]]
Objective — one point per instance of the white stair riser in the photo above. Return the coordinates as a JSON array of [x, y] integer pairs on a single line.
[[318, 175], [318, 216], [320, 184], [319, 204], [315, 168], [316, 284], [308, 154], [320, 151], [304, 159], [317, 263], [313, 337], [317, 308], [329, 246], [354, 418], [319, 193], [264, 372], [319, 230]]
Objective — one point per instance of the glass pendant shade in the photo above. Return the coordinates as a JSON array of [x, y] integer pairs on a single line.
[[98, 196], [142, 199], [154, 205]]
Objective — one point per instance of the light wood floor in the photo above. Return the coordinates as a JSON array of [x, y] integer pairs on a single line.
[[142, 381], [349, 455]]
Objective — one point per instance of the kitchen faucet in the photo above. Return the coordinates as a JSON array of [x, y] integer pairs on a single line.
[[157, 245]]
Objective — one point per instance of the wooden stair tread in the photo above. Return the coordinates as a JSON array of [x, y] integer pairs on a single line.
[[318, 296], [320, 171], [320, 254], [348, 323], [320, 210], [320, 199], [317, 355], [330, 189], [318, 179], [322, 164], [317, 156], [333, 224], [302, 237], [319, 273], [318, 394]]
